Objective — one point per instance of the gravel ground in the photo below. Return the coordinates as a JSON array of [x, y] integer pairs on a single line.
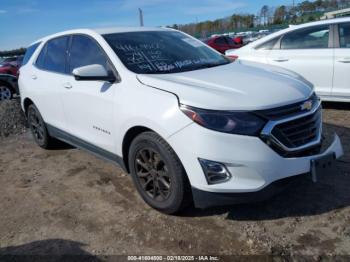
[[12, 120], [67, 201]]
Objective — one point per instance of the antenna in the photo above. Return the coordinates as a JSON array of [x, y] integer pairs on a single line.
[[141, 16]]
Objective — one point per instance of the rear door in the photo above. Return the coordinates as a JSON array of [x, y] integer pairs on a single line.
[[341, 84], [308, 52], [88, 105], [46, 80]]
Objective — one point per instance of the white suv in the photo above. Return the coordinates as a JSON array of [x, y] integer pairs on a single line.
[[318, 51], [183, 120]]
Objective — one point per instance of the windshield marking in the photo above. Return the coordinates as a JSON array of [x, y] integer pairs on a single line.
[[162, 52]]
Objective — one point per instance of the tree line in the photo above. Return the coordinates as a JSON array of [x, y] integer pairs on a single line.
[[15, 52], [267, 16]]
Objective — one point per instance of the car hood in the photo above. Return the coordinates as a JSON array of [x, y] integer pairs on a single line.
[[235, 86]]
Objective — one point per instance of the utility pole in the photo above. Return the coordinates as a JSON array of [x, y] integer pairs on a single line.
[[141, 16]]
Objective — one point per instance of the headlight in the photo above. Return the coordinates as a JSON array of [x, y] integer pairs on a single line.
[[240, 123]]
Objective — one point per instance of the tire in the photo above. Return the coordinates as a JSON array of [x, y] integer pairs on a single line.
[[38, 128], [158, 174], [6, 92]]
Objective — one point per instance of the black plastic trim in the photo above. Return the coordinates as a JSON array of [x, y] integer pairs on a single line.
[[79, 143], [204, 199], [110, 79]]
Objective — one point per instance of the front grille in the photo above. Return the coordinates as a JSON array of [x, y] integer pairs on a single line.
[[299, 132], [286, 111], [294, 131]]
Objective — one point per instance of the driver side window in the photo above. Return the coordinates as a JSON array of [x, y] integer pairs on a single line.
[[85, 51]]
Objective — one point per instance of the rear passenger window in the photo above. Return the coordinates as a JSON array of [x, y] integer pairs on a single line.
[[85, 51], [53, 55], [230, 41], [220, 41], [344, 35], [40, 62], [30, 51], [308, 38]]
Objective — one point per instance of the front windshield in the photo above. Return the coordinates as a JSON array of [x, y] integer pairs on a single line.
[[154, 52]]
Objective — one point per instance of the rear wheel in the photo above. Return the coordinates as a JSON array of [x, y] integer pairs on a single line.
[[39, 129], [5, 92], [158, 174]]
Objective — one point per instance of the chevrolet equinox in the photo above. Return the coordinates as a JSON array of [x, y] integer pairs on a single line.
[[187, 123]]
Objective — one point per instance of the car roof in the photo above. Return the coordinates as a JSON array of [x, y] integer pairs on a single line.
[[103, 31]]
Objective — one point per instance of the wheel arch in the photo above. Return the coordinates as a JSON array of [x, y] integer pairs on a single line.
[[26, 103], [129, 136]]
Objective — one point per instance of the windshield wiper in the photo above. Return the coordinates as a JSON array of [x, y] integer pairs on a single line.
[[186, 69]]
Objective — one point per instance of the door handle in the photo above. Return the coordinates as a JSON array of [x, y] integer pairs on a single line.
[[67, 85], [34, 77], [344, 60], [281, 59]]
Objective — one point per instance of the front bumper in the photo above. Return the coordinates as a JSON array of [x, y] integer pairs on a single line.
[[205, 199], [253, 164]]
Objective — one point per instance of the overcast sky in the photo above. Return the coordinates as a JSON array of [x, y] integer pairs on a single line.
[[24, 21]]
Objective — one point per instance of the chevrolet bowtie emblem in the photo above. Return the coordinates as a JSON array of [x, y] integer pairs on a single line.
[[306, 105]]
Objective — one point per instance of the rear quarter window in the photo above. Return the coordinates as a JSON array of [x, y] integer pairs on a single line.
[[268, 45], [29, 53]]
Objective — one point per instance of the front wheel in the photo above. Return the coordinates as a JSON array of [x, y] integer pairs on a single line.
[[158, 174]]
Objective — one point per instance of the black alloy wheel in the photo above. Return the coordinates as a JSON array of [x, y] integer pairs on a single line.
[[158, 174], [153, 174], [38, 128]]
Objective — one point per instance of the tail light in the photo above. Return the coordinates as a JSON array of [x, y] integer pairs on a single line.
[[232, 57]]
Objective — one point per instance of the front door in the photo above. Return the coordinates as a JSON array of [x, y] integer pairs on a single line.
[[88, 105]]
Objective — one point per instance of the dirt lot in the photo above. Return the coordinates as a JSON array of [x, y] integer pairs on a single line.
[[67, 201]]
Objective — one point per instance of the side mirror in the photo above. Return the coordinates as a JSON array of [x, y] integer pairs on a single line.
[[93, 73]]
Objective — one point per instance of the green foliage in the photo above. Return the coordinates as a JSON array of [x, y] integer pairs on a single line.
[[267, 17]]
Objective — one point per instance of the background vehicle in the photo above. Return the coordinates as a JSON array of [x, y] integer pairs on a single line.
[[222, 43], [318, 51], [8, 87], [11, 65], [182, 119]]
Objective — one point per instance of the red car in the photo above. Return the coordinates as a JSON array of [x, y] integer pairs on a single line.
[[11, 65], [222, 43]]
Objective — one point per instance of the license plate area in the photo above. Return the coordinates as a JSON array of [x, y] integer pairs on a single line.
[[322, 166]]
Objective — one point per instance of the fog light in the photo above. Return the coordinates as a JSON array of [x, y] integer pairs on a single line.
[[215, 172]]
